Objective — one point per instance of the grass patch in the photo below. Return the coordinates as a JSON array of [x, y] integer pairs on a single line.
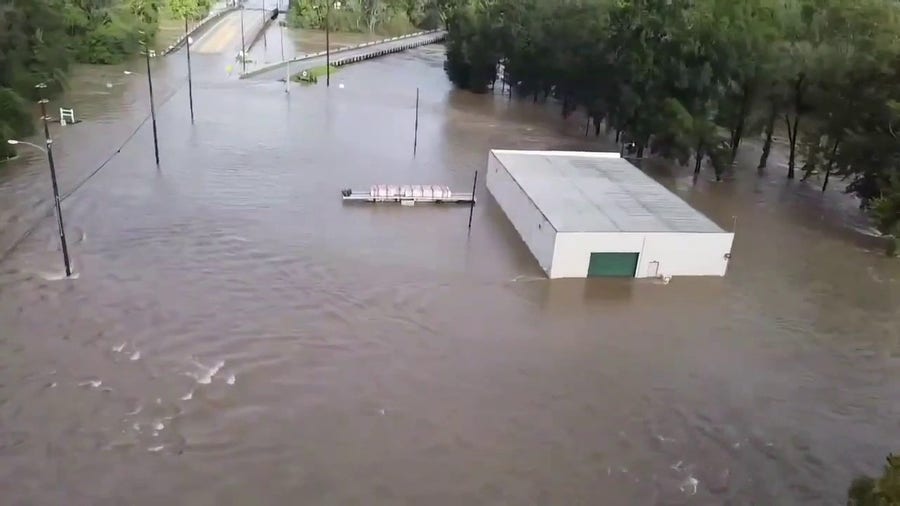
[[312, 76]]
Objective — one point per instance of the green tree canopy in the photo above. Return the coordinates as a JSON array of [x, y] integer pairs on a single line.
[[691, 78]]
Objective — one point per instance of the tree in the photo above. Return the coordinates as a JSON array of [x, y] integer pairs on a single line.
[[883, 491], [383, 16], [189, 9], [39, 39], [15, 120]]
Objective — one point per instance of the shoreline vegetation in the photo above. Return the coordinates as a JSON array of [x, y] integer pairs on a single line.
[[40, 39], [384, 17], [688, 80]]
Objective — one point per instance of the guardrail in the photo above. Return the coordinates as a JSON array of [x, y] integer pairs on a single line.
[[438, 35], [201, 25], [262, 30]]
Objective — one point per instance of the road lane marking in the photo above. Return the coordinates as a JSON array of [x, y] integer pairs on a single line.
[[204, 45]]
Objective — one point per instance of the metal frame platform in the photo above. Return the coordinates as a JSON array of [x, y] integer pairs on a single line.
[[409, 195]]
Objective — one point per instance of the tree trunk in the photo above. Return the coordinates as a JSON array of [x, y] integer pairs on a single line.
[[738, 133], [792, 138], [640, 150], [618, 134], [698, 161], [767, 145], [837, 142], [793, 133]]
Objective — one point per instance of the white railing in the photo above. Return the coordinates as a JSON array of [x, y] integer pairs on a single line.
[[273, 66]]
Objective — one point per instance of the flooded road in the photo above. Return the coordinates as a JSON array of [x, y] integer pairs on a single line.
[[236, 335]]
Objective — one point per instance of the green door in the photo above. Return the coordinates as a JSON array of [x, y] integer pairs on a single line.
[[617, 265]]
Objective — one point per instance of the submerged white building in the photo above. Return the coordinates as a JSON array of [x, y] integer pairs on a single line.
[[588, 214]]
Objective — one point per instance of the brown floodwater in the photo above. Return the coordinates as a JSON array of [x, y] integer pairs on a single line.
[[236, 335]]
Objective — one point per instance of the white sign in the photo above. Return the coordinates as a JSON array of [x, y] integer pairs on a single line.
[[66, 114]]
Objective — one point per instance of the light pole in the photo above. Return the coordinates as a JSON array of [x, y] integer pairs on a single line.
[[190, 84], [49, 151], [152, 105], [281, 34], [243, 46], [337, 5], [264, 15], [287, 67], [328, 43]]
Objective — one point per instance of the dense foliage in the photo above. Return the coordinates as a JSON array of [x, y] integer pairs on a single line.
[[883, 491], [383, 16], [689, 79], [40, 38]]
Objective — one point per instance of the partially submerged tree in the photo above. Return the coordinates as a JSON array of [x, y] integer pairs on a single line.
[[692, 78], [881, 491]]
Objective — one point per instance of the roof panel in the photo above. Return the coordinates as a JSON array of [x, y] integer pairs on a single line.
[[599, 192]]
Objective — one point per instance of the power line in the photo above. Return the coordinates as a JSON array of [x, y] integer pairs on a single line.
[[121, 146], [48, 211]]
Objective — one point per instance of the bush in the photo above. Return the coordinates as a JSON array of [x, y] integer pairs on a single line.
[[15, 120], [883, 491], [111, 42]]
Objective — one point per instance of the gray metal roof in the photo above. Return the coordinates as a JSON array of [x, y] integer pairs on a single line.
[[599, 192]]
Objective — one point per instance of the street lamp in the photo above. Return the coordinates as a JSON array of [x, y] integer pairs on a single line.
[[243, 45], [15, 142], [152, 107], [189, 41], [150, 87], [49, 152], [337, 5]]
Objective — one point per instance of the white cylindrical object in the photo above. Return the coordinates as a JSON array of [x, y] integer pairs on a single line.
[[393, 191], [373, 191], [417, 190]]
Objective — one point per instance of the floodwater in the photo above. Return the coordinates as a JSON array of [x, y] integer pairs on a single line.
[[236, 335]]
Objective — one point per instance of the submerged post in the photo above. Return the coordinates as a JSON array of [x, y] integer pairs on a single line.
[[472, 203], [416, 129]]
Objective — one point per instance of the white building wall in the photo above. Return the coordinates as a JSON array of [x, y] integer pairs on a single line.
[[684, 254], [534, 228], [677, 254]]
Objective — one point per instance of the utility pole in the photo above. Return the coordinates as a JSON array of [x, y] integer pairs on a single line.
[[59, 216], [328, 43], [287, 67], [281, 33], [472, 203], [152, 106], [416, 134], [243, 46], [190, 84]]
